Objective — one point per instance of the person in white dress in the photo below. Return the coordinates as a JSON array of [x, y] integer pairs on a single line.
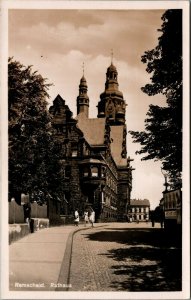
[[76, 218], [92, 217], [86, 219]]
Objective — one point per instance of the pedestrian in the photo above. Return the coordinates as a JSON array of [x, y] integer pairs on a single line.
[[153, 219], [27, 212], [162, 217], [92, 217], [76, 218], [86, 219]]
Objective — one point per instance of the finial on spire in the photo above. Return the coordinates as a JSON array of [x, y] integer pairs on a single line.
[[83, 68], [111, 56]]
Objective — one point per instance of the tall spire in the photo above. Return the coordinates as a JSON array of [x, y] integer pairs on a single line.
[[83, 99]]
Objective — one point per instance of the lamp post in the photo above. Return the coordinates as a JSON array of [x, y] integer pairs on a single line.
[[165, 179], [13, 200]]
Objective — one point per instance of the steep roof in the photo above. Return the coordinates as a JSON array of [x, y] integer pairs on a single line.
[[93, 129], [116, 145], [139, 202]]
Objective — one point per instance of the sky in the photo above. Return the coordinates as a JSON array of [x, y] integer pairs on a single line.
[[57, 42]]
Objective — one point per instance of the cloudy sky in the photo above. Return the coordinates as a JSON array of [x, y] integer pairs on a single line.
[[57, 42]]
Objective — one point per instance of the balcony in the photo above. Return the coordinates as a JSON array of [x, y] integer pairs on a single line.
[[93, 172]]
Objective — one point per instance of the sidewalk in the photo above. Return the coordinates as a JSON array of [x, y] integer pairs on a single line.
[[37, 260]]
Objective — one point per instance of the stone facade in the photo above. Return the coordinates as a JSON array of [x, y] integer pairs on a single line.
[[94, 155]]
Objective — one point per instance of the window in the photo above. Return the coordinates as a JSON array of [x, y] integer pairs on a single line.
[[102, 197], [86, 172], [74, 153], [103, 172], [74, 148], [94, 171]]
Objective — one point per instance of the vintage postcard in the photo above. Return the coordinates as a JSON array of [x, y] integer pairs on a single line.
[[95, 150]]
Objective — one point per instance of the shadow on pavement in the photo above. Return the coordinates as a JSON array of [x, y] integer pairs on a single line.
[[149, 236], [148, 260]]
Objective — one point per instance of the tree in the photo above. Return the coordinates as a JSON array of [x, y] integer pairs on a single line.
[[162, 138], [34, 166]]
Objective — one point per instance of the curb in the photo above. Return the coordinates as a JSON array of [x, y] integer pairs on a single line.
[[64, 276]]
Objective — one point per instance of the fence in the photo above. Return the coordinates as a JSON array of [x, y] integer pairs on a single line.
[[16, 212]]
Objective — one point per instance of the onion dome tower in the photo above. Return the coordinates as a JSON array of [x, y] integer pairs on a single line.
[[83, 99], [111, 104]]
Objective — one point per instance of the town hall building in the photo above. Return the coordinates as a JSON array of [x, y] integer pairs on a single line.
[[94, 155]]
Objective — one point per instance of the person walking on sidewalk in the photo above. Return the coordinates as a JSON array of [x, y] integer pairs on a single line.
[[92, 217], [76, 218], [86, 219], [162, 217], [153, 218]]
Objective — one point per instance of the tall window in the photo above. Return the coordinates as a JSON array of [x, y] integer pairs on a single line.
[[74, 149], [103, 172], [94, 171], [86, 172]]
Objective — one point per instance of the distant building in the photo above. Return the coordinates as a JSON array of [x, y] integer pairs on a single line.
[[138, 210], [97, 170]]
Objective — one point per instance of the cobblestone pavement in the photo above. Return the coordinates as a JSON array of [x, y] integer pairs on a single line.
[[125, 257]]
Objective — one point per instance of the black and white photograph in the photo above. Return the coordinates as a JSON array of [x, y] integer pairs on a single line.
[[95, 150]]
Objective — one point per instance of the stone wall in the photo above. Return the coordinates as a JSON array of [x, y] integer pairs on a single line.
[[16, 212], [18, 231], [38, 211]]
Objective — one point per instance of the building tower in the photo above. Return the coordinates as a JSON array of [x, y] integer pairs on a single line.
[[112, 105], [83, 99]]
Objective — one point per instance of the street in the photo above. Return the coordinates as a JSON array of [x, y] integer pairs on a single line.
[[108, 257], [125, 257]]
